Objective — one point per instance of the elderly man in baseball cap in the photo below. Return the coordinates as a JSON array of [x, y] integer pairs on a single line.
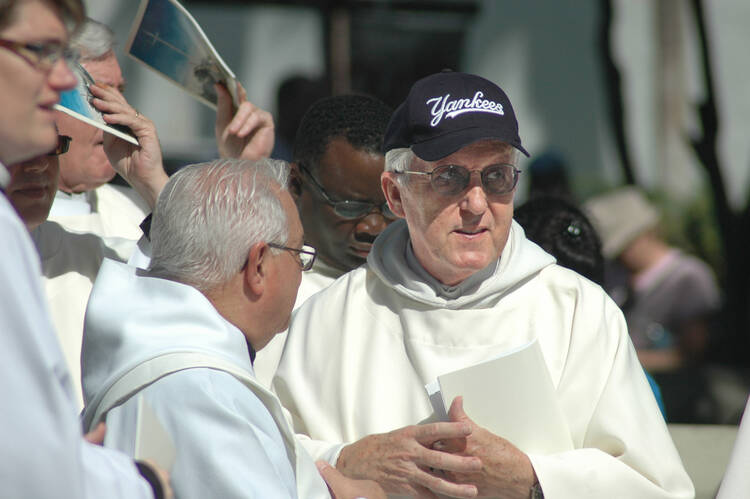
[[454, 284]]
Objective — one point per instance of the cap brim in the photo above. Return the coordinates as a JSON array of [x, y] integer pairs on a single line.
[[446, 144]]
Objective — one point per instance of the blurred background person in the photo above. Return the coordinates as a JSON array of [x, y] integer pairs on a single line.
[[563, 231], [548, 175], [672, 300], [294, 97]]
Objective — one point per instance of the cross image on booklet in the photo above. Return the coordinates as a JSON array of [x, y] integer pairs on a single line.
[[77, 103], [512, 396], [167, 39]]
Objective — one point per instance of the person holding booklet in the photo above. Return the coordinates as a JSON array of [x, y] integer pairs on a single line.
[[455, 284], [85, 201]]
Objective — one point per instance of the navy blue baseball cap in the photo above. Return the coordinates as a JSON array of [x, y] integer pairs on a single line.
[[447, 111]]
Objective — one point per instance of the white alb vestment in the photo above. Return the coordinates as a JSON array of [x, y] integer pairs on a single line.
[[227, 443], [316, 279], [70, 262], [44, 453], [108, 211], [359, 353]]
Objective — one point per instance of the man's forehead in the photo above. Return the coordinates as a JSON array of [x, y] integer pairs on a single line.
[[348, 172], [105, 70]]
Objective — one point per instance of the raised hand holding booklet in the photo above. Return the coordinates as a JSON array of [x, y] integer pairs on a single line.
[[77, 103], [168, 40], [512, 396]]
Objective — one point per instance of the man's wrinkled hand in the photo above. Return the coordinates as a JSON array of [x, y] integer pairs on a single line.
[[506, 471], [403, 461], [246, 132], [140, 165]]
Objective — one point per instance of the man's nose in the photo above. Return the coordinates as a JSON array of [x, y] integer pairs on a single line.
[[370, 226], [474, 199], [61, 77]]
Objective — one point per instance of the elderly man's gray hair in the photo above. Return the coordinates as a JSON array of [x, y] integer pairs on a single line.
[[399, 159], [93, 40], [209, 215]]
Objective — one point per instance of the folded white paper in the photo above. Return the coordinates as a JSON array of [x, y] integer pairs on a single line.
[[512, 396]]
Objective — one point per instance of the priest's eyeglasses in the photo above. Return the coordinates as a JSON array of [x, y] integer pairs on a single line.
[[450, 180], [305, 255], [41, 55], [348, 208]]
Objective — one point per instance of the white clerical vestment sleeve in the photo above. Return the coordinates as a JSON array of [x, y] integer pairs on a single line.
[[625, 451], [44, 452]]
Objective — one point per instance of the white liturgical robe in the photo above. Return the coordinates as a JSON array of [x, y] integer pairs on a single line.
[[44, 453], [359, 353], [227, 443]]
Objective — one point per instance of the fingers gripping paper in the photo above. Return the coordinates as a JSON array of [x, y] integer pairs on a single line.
[[512, 396]]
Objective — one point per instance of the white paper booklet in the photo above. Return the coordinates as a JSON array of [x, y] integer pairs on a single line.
[[151, 439], [77, 103], [512, 396], [167, 39]]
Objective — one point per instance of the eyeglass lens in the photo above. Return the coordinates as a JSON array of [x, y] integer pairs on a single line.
[[307, 257], [42, 55], [357, 209], [348, 208], [453, 179]]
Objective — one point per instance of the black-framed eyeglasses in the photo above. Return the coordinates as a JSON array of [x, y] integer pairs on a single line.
[[63, 144], [348, 208], [450, 180], [42, 55], [305, 255]]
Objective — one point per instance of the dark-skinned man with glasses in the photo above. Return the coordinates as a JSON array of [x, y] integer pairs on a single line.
[[336, 184], [453, 284]]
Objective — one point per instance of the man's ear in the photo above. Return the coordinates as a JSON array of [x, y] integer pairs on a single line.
[[392, 191], [295, 180], [256, 270]]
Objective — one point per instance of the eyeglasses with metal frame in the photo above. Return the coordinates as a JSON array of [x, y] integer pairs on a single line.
[[63, 144], [450, 180], [348, 208], [42, 55], [305, 255]]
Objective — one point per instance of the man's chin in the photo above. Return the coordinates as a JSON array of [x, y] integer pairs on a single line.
[[470, 264], [100, 176]]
